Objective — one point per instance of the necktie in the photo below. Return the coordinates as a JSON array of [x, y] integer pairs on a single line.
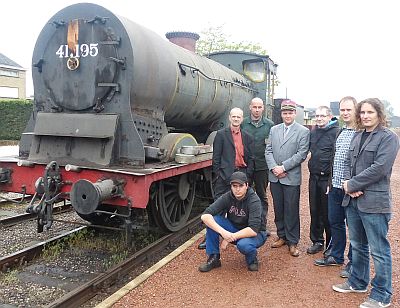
[[285, 132]]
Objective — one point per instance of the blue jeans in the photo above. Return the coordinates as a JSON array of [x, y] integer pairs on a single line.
[[336, 217], [247, 246], [369, 232]]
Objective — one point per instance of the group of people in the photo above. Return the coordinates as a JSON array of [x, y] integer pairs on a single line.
[[350, 169]]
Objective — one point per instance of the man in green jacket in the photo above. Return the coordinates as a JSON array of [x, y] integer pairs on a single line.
[[259, 126]]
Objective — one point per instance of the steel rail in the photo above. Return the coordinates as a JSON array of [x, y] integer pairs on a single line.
[[27, 254], [16, 200], [91, 288], [13, 220]]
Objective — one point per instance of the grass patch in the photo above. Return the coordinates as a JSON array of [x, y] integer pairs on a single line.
[[113, 244], [9, 277]]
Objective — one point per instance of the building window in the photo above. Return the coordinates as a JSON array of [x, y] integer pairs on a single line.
[[8, 73]]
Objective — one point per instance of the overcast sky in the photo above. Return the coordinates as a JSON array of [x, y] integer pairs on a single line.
[[325, 49]]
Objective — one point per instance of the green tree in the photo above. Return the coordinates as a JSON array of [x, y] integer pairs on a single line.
[[214, 39]]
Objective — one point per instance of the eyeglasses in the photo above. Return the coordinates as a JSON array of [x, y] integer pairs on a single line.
[[321, 115]]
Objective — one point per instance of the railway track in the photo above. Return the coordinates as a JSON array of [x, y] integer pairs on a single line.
[[14, 198], [93, 278], [90, 289], [20, 218], [27, 254]]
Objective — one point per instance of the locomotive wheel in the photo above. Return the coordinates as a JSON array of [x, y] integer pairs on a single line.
[[172, 201], [206, 186]]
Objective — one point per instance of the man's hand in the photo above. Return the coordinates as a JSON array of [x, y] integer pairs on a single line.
[[282, 175], [356, 194], [353, 194], [278, 170], [224, 244], [228, 236], [345, 188]]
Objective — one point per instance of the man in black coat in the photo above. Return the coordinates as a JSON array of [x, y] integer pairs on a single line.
[[322, 141], [232, 151]]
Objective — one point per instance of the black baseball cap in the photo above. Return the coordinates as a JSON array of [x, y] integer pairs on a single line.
[[238, 177]]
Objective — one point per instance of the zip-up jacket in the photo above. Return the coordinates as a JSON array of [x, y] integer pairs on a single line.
[[322, 145], [242, 213]]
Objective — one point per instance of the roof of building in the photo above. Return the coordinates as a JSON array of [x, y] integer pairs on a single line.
[[4, 61]]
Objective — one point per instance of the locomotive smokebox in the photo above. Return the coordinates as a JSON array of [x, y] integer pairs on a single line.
[[86, 196]]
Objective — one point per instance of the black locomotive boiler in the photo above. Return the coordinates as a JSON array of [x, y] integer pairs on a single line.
[[123, 119]]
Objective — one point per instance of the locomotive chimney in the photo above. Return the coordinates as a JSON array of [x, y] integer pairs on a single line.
[[186, 40]]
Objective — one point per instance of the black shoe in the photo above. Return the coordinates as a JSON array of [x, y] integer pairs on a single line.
[[253, 267], [202, 245], [316, 247], [212, 262], [328, 261]]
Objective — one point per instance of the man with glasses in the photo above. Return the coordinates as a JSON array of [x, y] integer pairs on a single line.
[[334, 256], [322, 141], [238, 219]]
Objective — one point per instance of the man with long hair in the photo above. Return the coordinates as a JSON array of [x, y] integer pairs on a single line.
[[368, 203]]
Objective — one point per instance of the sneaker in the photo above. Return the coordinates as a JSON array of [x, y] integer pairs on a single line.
[[327, 261], [316, 247], [371, 303], [212, 262], [345, 273], [253, 267], [345, 287]]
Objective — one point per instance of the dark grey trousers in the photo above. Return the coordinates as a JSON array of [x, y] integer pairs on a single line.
[[286, 206]]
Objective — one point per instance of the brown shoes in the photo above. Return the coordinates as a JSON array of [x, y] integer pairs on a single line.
[[294, 252], [278, 243], [292, 248]]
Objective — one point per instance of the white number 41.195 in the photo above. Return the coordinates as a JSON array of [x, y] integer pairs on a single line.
[[83, 50]]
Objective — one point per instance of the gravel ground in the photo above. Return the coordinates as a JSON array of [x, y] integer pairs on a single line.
[[23, 235], [282, 281], [61, 270]]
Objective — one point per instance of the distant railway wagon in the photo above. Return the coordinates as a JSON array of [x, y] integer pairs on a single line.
[[123, 119]]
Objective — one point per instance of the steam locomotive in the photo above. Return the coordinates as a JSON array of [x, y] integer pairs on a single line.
[[123, 120]]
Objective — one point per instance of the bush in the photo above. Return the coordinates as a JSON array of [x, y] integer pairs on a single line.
[[14, 115]]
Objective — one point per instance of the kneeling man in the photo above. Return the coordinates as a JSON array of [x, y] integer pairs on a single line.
[[237, 217]]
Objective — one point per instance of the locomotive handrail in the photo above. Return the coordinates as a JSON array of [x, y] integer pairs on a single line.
[[195, 69]]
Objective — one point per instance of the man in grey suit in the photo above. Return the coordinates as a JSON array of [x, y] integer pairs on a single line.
[[287, 148]]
